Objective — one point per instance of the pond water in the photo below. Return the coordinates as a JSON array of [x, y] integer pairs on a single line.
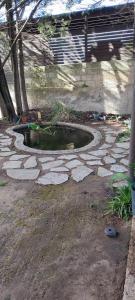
[[57, 138]]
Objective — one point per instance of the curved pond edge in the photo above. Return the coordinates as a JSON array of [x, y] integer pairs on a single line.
[[19, 142]]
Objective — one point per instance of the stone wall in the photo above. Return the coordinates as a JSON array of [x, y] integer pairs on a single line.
[[98, 86]]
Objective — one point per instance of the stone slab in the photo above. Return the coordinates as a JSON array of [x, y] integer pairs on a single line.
[[52, 178], [79, 173], [120, 184], [5, 142], [23, 174], [19, 156], [117, 150], [118, 168], [94, 163], [105, 146], [59, 169], [118, 155], [88, 156], [73, 164], [46, 159], [102, 172], [52, 164], [4, 154], [109, 160], [12, 165], [68, 157], [31, 162], [110, 139], [5, 149], [124, 145], [124, 161], [99, 152]]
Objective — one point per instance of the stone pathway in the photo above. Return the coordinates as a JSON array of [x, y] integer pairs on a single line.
[[109, 158]]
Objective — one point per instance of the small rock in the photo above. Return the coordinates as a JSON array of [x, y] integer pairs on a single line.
[[110, 231]]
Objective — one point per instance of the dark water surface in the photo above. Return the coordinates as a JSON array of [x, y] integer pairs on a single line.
[[61, 138]]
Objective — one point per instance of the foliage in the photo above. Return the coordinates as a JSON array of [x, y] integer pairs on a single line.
[[121, 203], [123, 136], [3, 183], [38, 77], [49, 29], [36, 127], [58, 111]]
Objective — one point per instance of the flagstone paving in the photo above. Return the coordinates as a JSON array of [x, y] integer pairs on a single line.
[[108, 158]]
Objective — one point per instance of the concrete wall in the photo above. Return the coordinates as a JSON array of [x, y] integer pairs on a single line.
[[98, 86]]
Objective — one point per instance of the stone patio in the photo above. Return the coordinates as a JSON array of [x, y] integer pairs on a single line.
[[108, 158]]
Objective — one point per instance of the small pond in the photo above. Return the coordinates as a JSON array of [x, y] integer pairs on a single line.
[[57, 138]]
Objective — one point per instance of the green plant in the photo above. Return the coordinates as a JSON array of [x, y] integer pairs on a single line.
[[3, 183], [36, 127], [59, 111], [124, 135], [121, 203]]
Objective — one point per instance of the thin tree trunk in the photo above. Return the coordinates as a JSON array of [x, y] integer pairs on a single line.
[[132, 140], [22, 76], [21, 65], [6, 103], [14, 57]]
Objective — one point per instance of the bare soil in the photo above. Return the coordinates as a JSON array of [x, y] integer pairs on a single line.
[[53, 245], [52, 242]]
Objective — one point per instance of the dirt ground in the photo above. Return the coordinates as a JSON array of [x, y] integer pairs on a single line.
[[53, 245], [52, 242]]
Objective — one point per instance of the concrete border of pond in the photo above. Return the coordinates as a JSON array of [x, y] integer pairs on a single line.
[[19, 142]]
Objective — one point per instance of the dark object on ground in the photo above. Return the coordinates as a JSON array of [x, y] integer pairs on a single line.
[[111, 231]]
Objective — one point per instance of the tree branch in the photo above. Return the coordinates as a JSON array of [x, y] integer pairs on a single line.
[[21, 29]]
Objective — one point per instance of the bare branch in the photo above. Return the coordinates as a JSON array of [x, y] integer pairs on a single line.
[[21, 29]]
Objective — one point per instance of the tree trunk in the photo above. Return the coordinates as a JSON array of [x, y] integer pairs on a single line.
[[5, 98], [14, 57], [22, 76], [21, 64], [132, 140]]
